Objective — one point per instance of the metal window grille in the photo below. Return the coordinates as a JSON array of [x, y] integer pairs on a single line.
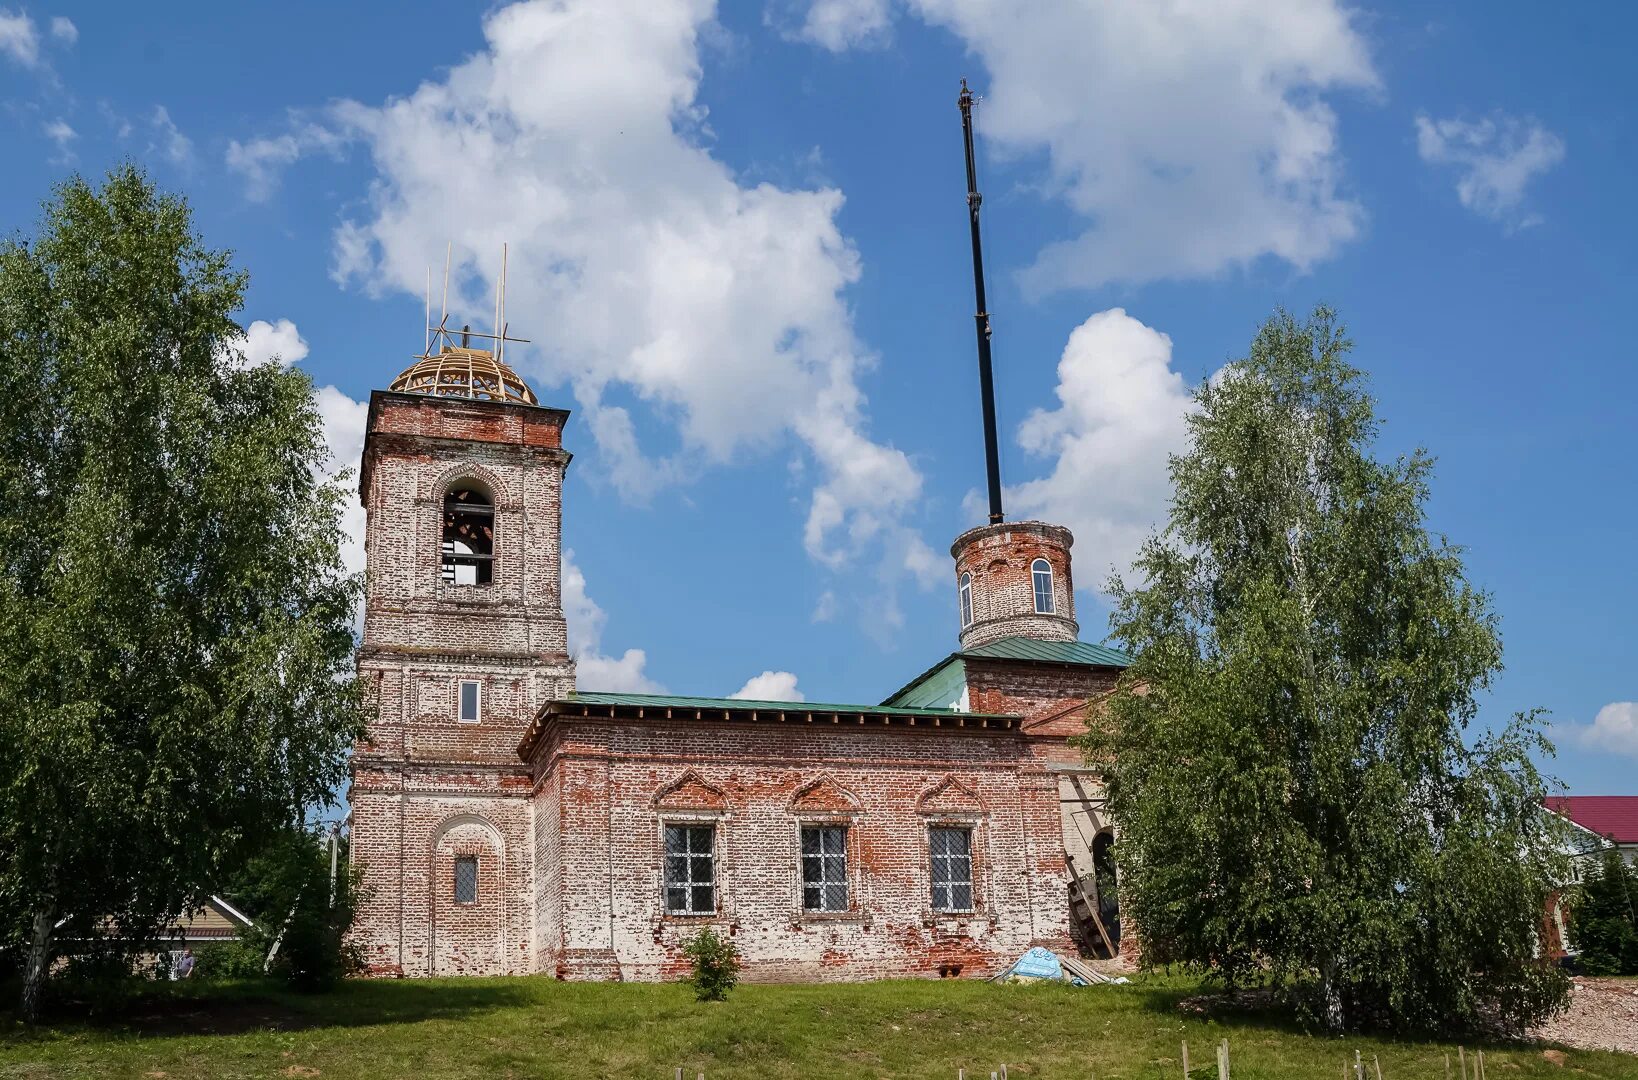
[[466, 879], [1041, 571], [952, 852], [690, 870], [824, 868]]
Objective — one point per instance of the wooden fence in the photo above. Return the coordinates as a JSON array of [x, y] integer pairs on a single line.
[[1468, 1069]]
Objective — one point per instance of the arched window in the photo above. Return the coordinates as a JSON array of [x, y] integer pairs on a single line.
[[1041, 571], [966, 600], [468, 547]]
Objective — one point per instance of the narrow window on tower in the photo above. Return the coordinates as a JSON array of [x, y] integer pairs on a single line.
[[952, 860], [1041, 571], [471, 701], [466, 879], [966, 600], [690, 870], [468, 547], [824, 868]]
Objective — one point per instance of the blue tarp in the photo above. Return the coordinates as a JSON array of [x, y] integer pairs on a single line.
[[1038, 963]]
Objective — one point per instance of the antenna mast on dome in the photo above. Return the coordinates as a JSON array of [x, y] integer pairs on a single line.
[[986, 380]]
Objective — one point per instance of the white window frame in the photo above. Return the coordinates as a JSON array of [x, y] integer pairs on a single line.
[[964, 594], [688, 911], [477, 701], [971, 830], [845, 827], [1036, 569]]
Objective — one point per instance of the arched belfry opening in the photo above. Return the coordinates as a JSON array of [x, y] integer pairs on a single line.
[[468, 545]]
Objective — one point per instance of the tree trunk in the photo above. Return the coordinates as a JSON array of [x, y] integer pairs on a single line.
[[1331, 996], [38, 961]]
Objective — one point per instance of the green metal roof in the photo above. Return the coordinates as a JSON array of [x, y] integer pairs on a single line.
[[1009, 648], [664, 701], [1056, 652]]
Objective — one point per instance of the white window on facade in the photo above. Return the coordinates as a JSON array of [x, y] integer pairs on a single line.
[[471, 696], [1040, 571], [690, 870], [824, 868], [467, 552], [966, 600], [952, 861], [466, 879]]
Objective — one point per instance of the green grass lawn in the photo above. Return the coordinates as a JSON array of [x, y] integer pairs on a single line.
[[534, 1027]]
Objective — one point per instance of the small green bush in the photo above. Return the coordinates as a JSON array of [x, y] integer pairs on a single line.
[[230, 960], [716, 965]]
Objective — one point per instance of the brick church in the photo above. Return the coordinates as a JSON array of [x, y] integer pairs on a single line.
[[506, 822]]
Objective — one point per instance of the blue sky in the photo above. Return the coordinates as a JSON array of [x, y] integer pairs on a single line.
[[738, 243]]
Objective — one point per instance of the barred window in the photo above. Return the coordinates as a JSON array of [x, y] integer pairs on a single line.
[[1040, 571], [952, 852], [690, 870], [824, 868], [466, 879]]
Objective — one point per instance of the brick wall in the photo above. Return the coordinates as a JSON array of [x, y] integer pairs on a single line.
[[609, 786], [998, 558]]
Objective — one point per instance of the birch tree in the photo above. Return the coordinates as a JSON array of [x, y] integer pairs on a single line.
[[1291, 762], [175, 621]]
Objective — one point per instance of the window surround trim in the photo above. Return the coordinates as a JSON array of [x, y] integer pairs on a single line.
[[978, 825], [853, 874], [716, 820], [1039, 565], [964, 600], [477, 706]]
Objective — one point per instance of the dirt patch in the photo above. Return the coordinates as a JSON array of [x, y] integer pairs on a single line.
[[1603, 1015]]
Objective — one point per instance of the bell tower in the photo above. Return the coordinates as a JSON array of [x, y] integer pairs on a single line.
[[464, 640]]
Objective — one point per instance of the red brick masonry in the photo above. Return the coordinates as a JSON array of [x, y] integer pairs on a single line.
[[567, 830]]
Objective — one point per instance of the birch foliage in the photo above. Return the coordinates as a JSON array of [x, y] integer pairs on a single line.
[[175, 621], [1289, 758]]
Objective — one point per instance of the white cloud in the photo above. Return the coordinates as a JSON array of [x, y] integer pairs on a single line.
[[64, 30], [825, 609], [594, 670], [844, 24], [19, 38], [344, 422], [770, 686], [59, 132], [642, 266], [169, 141], [1497, 157], [1190, 138], [264, 342], [621, 674], [1614, 729], [1120, 415], [262, 161]]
